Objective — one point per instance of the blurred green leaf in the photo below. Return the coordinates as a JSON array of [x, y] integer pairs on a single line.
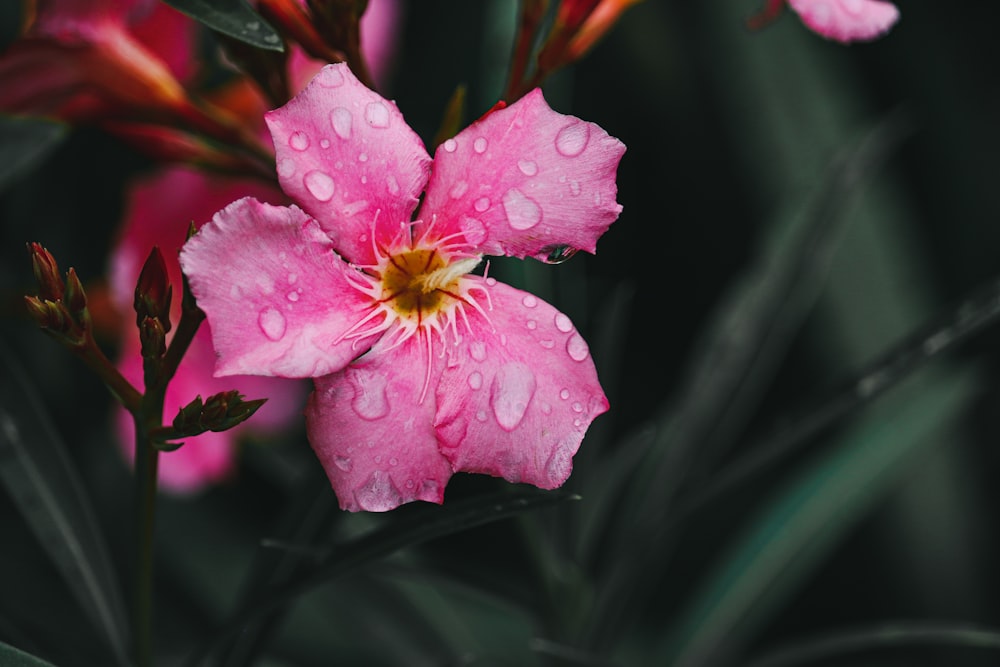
[[12, 657], [884, 635], [46, 489], [234, 18], [796, 530], [24, 142], [410, 526]]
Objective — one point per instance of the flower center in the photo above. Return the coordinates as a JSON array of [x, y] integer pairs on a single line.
[[419, 283]]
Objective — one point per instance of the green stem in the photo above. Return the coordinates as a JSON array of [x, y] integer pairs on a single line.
[[146, 463]]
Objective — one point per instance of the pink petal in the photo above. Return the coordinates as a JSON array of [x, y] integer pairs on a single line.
[[847, 20], [208, 458], [526, 180], [374, 436], [278, 298], [347, 157], [516, 398], [155, 215]]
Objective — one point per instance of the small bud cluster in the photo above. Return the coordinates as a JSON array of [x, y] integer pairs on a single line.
[[220, 412], [61, 305]]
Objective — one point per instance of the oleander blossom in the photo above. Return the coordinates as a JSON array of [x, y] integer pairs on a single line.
[[847, 20], [421, 367]]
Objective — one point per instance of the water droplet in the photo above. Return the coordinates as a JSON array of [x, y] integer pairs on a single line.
[[253, 25], [574, 188], [491, 281], [319, 185], [564, 394], [392, 184], [458, 189], [529, 301], [410, 483], [272, 323], [474, 230], [577, 348], [563, 323], [324, 143], [532, 324], [363, 157], [378, 458], [482, 204], [477, 349], [527, 167], [293, 296], [341, 120], [557, 254], [522, 211], [330, 77], [577, 406], [546, 408], [377, 114], [512, 390], [479, 145], [573, 138], [481, 415], [370, 401], [354, 207], [299, 141], [272, 38], [378, 494], [547, 343], [450, 145], [286, 167], [475, 379], [344, 463]]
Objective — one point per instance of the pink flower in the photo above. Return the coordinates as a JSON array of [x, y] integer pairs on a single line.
[[421, 368], [847, 20], [157, 215]]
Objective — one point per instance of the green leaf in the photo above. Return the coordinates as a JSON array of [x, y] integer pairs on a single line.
[[805, 519], [411, 525], [12, 657], [47, 491], [234, 18], [24, 142]]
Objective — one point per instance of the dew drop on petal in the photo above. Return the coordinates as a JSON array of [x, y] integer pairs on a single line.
[[341, 120], [272, 323], [293, 296], [557, 254], [450, 145], [529, 301], [546, 408], [253, 25], [577, 406], [330, 77], [478, 350], [324, 143], [354, 207], [363, 157], [319, 184], [370, 401], [481, 416], [577, 348], [299, 141], [475, 379], [458, 189], [532, 324], [563, 323], [377, 114], [479, 145], [393, 461], [527, 167], [522, 211], [409, 483], [573, 138], [286, 167], [564, 394], [378, 494], [482, 204], [344, 463], [474, 230], [392, 184], [547, 343], [513, 387], [574, 188]]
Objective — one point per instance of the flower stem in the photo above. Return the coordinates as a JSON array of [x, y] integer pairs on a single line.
[[146, 462]]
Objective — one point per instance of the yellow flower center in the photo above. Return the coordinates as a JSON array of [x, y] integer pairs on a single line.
[[420, 283]]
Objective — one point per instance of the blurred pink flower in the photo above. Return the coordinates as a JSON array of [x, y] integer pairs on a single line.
[[157, 213], [421, 368], [847, 20]]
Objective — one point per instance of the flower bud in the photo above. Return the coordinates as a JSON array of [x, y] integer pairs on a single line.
[[152, 338], [43, 264], [153, 291]]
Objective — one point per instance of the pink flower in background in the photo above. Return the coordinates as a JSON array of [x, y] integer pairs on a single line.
[[421, 368], [157, 213], [847, 20]]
